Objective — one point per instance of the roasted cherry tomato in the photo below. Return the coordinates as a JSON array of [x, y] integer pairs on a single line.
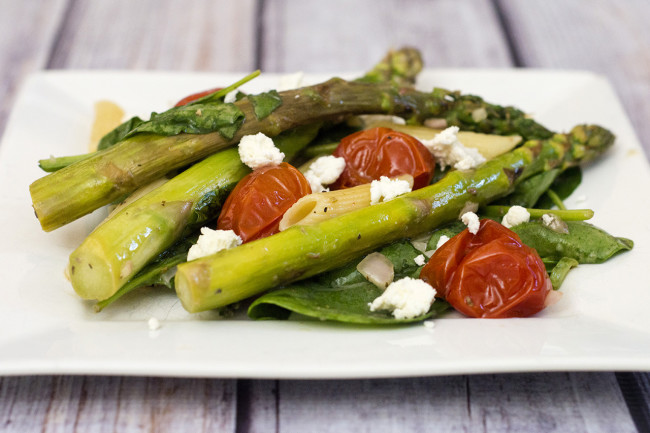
[[490, 274], [194, 96], [378, 152], [255, 207]]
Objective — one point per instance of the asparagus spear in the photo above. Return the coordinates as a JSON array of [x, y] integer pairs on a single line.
[[120, 247], [117, 250], [303, 251], [78, 189]]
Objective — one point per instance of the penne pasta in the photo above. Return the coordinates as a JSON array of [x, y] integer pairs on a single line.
[[317, 207]]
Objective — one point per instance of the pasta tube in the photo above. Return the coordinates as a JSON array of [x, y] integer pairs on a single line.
[[317, 207]]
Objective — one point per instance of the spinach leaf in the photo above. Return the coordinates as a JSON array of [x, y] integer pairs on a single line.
[[342, 294], [561, 269], [194, 119], [119, 133], [563, 186], [528, 192], [348, 303], [450, 230], [584, 242], [265, 103]]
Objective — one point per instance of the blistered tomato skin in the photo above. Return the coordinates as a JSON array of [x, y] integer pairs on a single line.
[[256, 205], [378, 152], [491, 274], [193, 97]]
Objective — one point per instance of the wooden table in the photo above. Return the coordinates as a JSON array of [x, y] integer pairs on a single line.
[[606, 36]]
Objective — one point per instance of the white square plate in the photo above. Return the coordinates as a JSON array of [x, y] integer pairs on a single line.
[[601, 322]]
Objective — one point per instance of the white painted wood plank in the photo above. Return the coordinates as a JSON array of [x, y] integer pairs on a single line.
[[317, 36], [154, 34], [122, 404], [610, 37], [377, 406], [27, 31], [257, 406], [557, 402]]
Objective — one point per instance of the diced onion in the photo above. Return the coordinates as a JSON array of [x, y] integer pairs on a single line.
[[555, 223], [377, 269]]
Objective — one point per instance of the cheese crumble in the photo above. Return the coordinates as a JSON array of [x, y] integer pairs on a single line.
[[324, 171], [470, 219], [386, 189], [212, 241], [259, 151], [448, 150], [405, 298], [515, 216], [230, 97], [441, 241]]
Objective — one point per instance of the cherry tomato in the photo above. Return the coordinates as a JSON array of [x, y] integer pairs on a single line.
[[194, 96], [378, 152], [256, 205], [491, 274]]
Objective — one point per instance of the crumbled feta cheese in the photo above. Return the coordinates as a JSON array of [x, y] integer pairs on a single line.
[[515, 215], [324, 171], [213, 241], [547, 219], [154, 324], [447, 150], [555, 223], [429, 324], [405, 298], [230, 96], [386, 189], [470, 219], [442, 241], [258, 151], [290, 81], [420, 260]]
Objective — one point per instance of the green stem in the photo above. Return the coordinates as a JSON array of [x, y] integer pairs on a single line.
[[567, 215], [55, 163], [557, 201]]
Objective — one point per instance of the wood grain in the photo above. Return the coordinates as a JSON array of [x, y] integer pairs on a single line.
[[27, 32], [116, 404], [307, 35], [153, 34], [604, 36], [557, 402]]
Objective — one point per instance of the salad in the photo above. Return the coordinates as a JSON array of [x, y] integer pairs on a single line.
[[442, 166]]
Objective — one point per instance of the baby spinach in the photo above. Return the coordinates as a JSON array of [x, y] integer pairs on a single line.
[[558, 273], [265, 103], [194, 119], [584, 242], [347, 303], [342, 294], [563, 186], [119, 133], [528, 191]]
